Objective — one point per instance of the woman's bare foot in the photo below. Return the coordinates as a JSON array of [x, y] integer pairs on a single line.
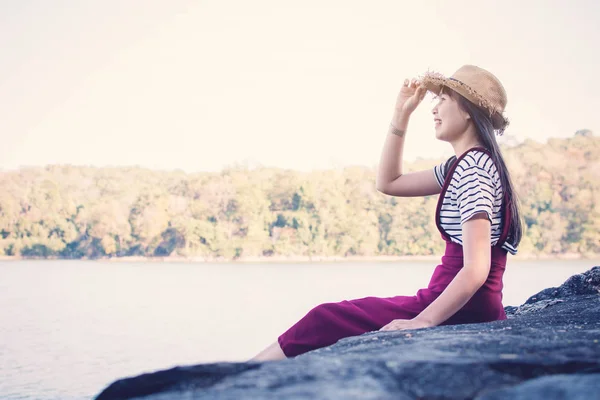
[[271, 353]]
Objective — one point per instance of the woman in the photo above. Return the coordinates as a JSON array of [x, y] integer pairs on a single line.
[[477, 216]]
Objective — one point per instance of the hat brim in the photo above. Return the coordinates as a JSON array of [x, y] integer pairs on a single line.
[[434, 82]]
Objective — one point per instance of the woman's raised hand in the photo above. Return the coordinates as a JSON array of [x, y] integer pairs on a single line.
[[410, 96]]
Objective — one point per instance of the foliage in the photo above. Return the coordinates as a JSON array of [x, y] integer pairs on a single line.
[[74, 212]]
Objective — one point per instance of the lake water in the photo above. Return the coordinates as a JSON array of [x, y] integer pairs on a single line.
[[69, 328]]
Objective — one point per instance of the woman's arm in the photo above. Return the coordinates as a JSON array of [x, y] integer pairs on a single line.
[[390, 179], [477, 261]]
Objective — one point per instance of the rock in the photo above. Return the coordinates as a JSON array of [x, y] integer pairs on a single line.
[[571, 387], [548, 348]]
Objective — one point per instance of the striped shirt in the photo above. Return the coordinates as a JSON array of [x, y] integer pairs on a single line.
[[475, 187]]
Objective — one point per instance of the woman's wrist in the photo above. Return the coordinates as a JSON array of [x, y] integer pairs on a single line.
[[400, 120], [395, 131]]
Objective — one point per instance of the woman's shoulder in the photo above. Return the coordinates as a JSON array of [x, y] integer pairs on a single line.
[[476, 160]]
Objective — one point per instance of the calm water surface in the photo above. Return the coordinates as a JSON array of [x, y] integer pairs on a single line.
[[69, 328]]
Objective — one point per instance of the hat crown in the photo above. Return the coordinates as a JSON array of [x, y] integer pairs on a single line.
[[484, 83], [478, 86]]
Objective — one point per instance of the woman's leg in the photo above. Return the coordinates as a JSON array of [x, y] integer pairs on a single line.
[[271, 353], [326, 323]]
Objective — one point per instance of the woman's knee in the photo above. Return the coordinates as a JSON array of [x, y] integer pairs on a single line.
[[326, 308]]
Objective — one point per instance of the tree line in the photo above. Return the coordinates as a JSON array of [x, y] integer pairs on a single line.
[[86, 212]]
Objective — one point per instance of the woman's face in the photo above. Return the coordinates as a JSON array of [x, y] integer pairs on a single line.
[[450, 120]]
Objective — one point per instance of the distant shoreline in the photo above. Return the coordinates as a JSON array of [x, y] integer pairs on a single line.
[[298, 259]]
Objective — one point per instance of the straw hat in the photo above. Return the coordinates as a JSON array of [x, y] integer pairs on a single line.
[[476, 84]]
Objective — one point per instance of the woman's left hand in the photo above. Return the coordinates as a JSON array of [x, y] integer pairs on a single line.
[[403, 324]]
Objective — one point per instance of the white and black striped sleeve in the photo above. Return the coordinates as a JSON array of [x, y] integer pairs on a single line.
[[438, 172], [474, 188]]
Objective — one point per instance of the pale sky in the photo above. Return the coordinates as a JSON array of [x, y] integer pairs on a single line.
[[200, 85]]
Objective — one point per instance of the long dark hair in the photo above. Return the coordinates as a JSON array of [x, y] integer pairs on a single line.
[[483, 124]]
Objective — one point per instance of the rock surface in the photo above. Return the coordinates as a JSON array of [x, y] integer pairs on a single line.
[[548, 348]]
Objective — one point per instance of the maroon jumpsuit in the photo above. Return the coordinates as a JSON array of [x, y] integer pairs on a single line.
[[327, 323]]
